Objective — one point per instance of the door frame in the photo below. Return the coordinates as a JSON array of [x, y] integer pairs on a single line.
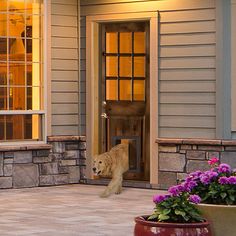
[[92, 85]]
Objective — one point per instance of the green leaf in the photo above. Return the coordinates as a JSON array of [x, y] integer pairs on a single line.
[[223, 195], [153, 217], [162, 217], [232, 197], [186, 218], [178, 212], [166, 211]]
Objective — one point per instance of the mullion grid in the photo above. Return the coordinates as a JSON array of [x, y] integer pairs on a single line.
[[118, 78], [132, 66], [8, 85]]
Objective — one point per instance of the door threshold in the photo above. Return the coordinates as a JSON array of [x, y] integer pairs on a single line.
[[126, 183]]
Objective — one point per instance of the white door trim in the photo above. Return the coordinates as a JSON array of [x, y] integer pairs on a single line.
[[92, 86]]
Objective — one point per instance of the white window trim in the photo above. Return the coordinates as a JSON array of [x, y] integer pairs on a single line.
[[46, 117], [47, 70], [92, 88]]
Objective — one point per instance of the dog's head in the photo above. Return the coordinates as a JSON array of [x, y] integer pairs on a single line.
[[101, 165]]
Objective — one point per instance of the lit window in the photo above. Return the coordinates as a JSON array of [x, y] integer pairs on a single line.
[[125, 66], [21, 66]]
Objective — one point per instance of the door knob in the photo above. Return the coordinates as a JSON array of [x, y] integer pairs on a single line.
[[104, 115], [104, 103]]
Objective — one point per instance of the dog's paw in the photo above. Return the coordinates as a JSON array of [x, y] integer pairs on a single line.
[[104, 195], [118, 191]]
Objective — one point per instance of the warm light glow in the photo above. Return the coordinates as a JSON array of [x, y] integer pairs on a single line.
[[111, 90], [125, 66], [35, 72], [35, 127], [3, 24], [131, 67], [139, 66], [111, 66], [126, 42], [139, 42], [125, 90], [20, 69], [111, 42], [139, 90]]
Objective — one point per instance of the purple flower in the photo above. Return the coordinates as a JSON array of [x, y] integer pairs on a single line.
[[211, 174], [160, 198], [223, 180], [208, 176], [176, 190], [224, 168], [194, 175], [189, 185], [232, 180], [205, 179], [194, 199]]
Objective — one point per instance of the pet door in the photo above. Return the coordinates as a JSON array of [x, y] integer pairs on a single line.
[[134, 150]]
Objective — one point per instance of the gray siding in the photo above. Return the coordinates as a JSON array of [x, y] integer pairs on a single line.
[[187, 73], [65, 87], [83, 75], [187, 61]]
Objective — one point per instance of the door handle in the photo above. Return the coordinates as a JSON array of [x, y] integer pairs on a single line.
[[104, 115], [104, 103]]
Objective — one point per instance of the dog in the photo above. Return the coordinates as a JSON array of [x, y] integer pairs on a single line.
[[113, 163]]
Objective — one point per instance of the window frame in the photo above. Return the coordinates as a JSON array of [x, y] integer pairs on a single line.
[[46, 73]]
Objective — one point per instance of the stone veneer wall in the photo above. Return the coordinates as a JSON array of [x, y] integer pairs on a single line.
[[180, 156], [61, 161]]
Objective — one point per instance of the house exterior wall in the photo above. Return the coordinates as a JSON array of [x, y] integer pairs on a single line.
[[187, 61], [187, 93], [82, 75], [177, 157], [64, 67], [61, 161]]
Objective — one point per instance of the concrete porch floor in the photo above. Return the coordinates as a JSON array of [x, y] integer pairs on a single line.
[[72, 210]]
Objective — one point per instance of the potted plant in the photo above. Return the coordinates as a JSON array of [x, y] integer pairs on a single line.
[[217, 189], [174, 214]]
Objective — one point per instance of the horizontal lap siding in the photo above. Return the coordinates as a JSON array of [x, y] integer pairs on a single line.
[[187, 73], [187, 51], [83, 75], [65, 87], [109, 7]]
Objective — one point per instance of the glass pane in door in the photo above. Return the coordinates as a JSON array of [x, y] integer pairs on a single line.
[[125, 67], [112, 42], [139, 90], [125, 42], [111, 66], [111, 90], [125, 90], [139, 66], [139, 42]]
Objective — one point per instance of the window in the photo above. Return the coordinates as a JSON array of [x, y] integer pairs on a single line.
[[125, 65], [21, 67]]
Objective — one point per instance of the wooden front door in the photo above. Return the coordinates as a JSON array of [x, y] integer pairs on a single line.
[[124, 96]]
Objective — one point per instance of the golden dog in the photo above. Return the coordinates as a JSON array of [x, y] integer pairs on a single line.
[[113, 163]]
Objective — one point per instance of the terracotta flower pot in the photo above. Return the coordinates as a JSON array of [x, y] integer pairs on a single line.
[[150, 228], [221, 217]]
